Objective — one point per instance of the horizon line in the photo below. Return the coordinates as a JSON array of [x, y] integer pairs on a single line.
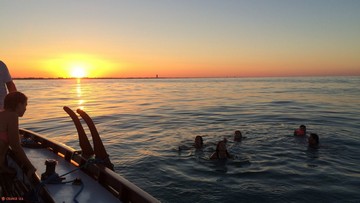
[[184, 77]]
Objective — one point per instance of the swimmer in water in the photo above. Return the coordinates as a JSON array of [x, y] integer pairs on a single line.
[[313, 140], [237, 136], [301, 131], [221, 151], [198, 142]]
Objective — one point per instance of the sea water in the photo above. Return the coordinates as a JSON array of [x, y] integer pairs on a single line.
[[143, 122]]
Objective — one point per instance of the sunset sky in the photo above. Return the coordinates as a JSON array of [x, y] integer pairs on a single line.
[[185, 38]]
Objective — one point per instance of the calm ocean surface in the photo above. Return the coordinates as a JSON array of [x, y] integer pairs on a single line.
[[143, 122]]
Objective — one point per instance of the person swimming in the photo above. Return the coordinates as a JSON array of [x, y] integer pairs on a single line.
[[301, 131], [198, 144], [313, 140], [237, 136], [221, 151]]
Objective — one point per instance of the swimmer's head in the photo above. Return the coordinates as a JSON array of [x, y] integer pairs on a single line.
[[198, 142], [221, 150], [237, 136], [301, 131], [221, 146], [313, 140], [303, 127]]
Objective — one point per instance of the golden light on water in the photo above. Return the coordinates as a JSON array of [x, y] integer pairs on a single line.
[[80, 102]]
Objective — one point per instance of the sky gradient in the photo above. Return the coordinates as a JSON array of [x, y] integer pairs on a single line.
[[197, 38]]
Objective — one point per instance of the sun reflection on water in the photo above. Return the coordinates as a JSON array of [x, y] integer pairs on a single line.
[[80, 101]]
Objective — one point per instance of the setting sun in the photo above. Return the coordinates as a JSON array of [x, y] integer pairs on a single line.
[[75, 65], [78, 72]]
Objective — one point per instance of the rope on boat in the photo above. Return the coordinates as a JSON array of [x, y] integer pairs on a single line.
[[33, 196], [78, 193]]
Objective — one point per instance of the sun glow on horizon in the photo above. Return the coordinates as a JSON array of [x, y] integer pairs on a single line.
[[79, 66], [78, 72]]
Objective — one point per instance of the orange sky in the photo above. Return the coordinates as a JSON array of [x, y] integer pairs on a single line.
[[180, 39]]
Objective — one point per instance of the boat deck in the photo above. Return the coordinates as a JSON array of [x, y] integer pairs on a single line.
[[92, 191]]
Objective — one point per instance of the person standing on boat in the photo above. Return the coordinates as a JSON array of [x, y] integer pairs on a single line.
[[14, 107], [5, 82]]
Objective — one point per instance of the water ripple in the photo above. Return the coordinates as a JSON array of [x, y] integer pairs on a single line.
[[142, 123]]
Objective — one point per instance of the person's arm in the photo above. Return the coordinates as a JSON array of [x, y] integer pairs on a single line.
[[11, 86], [14, 142]]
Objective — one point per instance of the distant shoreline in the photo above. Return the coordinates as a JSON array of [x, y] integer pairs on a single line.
[[119, 78], [126, 78], [61, 78]]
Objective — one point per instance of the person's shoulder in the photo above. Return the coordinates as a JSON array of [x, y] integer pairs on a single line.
[[2, 65], [3, 69], [9, 115]]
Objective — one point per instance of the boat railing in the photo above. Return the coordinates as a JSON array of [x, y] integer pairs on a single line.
[[113, 182]]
